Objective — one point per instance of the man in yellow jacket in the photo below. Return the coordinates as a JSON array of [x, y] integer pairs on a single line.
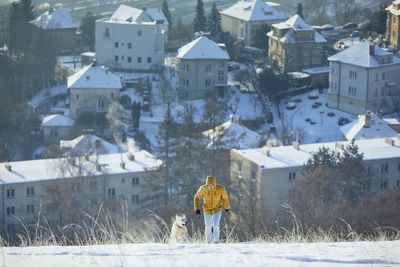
[[214, 198]]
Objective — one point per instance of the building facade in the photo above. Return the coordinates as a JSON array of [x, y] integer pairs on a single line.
[[92, 89], [244, 18], [393, 24], [132, 39], [295, 45], [364, 78], [271, 172], [58, 190], [203, 69]]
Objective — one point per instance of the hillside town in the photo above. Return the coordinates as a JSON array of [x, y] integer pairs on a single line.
[[126, 112]]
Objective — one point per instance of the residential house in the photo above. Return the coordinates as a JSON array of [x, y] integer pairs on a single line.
[[203, 69], [364, 78], [92, 89], [88, 144], [56, 127], [393, 24], [294, 45], [244, 18], [132, 39]]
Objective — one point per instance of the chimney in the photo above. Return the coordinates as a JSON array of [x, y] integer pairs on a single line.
[[372, 49], [239, 120], [131, 157], [231, 118], [367, 123], [266, 151], [389, 141], [296, 145], [122, 164], [8, 167]]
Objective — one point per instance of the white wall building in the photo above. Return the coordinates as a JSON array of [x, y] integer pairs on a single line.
[[244, 18], [272, 171], [364, 78], [132, 39], [56, 127], [28, 187], [92, 89]]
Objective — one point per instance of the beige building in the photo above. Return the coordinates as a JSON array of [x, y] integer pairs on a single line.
[[270, 172], [364, 78], [92, 89], [60, 189], [393, 24], [57, 24], [295, 45], [203, 69], [244, 18]]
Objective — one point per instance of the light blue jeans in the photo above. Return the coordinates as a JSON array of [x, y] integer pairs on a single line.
[[211, 222]]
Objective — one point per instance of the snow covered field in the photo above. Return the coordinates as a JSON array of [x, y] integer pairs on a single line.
[[199, 254]]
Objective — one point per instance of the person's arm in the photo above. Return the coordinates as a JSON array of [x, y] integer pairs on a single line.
[[225, 199], [197, 198]]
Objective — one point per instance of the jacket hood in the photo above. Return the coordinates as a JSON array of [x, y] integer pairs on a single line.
[[211, 180]]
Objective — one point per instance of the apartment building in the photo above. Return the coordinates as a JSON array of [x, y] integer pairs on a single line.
[[59, 189], [92, 89], [132, 39], [393, 24], [244, 18], [295, 45], [203, 69], [270, 172], [364, 78]]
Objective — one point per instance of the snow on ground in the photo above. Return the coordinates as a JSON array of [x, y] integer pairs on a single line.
[[200, 254], [47, 93]]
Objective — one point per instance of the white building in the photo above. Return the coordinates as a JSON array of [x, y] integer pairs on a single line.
[[232, 134], [47, 186], [88, 144], [92, 89], [56, 127], [272, 171], [364, 78], [244, 18], [368, 126], [203, 69], [132, 39]]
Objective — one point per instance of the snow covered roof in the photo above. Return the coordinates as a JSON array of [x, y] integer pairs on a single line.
[[254, 10], [232, 134], [59, 18], [127, 14], [393, 9], [94, 77], [49, 169], [288, 156], [156, 14], [57, 120], [88, 144], [295, 24], [317, 70], [360, 55], [202, 48], [379, 128]]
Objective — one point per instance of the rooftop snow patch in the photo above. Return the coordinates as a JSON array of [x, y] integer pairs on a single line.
[[59, 18], [57, 120], [202, 48], [126, 13], [94, 77], [88, 144], [129, 14], [360, 55], [254, 10]]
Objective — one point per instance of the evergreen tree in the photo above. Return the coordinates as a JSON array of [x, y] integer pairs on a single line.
[[200, 21], [87, 29], [214, 21], [260, 38], [300, 10], [167, 13]]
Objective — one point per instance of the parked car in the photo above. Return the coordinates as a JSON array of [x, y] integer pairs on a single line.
[[313, 95], [342, 121], [355, 34], [291, 105], [331, 114]]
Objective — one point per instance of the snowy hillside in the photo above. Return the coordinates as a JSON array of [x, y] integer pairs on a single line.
[[239, 254]]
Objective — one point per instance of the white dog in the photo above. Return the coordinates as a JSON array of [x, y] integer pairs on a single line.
[[179, 232]]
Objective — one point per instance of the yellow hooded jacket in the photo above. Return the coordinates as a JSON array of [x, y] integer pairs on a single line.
[[213, 200]]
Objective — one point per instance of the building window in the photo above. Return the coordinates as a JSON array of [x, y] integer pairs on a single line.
[[129, 45], [139, 60], [208, 82], [332, 70], [383, 76], [93, 186], [187, 67], [353, 75], [116, 58], [106, 32], [376, 92], [185, 82], [112, 96], [148, 59], [398, 166], [116, 44], [384, 168], [135, 181], [100, 104], [384, 185], [292, 176], [10, 193], [122, 58], [208, 68], [111, 192], [398, 183], [77, 96], [352, 90], [139, 33], [221, 64], [77, 112], [129, 59], [135, 199], [221, 75], [10, 211], [30, 209], [376, 77], [30, 191]]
